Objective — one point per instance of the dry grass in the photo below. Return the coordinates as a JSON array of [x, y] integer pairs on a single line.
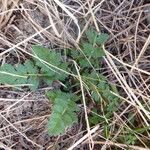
[[55, 24]]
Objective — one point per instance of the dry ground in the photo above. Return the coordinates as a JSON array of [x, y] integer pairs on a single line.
[[59, 24]]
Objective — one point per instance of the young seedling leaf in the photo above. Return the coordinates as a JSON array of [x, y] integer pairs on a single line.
[[52, 58], [63, 113], [22, 74]]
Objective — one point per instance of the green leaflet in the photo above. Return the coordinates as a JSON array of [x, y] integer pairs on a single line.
[[45, 54], [93, 48], [52, 58], [63, 112], [92, 51], [96, 38], [22, 74]]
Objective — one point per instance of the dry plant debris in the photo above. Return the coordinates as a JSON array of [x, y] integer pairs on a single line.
[[61, 24]]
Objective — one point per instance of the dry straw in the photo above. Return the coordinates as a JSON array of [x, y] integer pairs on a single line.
[[61, 24]]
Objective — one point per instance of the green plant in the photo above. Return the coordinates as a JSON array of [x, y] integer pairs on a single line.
[[32, 71], [49, 66], [63, 112], [128, 137], [25, 73]]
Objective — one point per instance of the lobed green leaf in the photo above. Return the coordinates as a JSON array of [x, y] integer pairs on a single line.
[[63, 113]]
